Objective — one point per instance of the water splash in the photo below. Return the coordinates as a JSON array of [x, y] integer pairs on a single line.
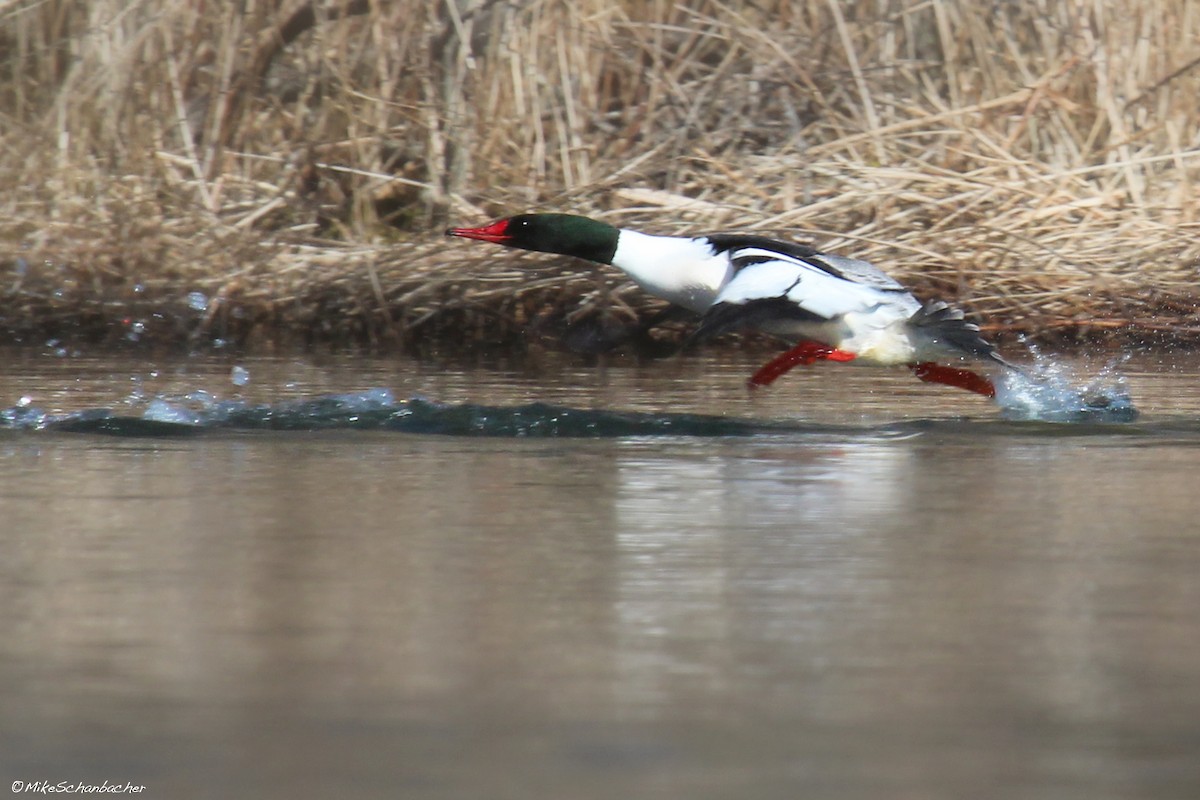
[[24, 415], [378, 410], [1039, 398], [1055, 391], [160, 410]]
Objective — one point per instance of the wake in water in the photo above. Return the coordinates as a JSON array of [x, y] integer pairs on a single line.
[[379, 409], [1053, 391], [1046, 391]]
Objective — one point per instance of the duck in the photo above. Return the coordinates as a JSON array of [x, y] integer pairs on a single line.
[[827, 307]]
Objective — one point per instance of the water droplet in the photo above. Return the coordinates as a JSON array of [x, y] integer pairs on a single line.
[[138, 288], [197, 301], [240, 376], [136, 329]]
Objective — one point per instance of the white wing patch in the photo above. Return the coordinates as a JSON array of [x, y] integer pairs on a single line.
[[760, 281], [765, 274]]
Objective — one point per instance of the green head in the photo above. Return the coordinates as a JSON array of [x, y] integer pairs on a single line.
[[567, 234]]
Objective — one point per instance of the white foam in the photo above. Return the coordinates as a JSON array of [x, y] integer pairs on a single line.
[[159, 410], [1058, 391]]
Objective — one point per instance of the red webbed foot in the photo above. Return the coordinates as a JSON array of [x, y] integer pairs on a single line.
[[803, 353], [953, 376]]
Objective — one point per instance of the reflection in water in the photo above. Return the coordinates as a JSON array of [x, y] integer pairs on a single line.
[[684, 520], [827, 615]]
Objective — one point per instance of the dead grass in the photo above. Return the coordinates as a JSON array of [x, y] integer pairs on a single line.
[[294, 163]]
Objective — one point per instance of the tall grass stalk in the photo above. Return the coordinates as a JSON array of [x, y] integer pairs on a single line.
[[294, 162]]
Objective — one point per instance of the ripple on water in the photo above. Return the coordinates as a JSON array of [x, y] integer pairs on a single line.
[[1035, 401], [376, 410]]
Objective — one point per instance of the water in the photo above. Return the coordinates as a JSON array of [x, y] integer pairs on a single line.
[[439, 580], [1054, 390]]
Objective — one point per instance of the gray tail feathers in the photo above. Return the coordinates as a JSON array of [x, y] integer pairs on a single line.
[[946, 325]]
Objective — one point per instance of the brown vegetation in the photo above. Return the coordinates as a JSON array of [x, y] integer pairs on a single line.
[[294, 162]]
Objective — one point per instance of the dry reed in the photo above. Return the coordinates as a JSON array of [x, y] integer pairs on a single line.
[[280, 171]]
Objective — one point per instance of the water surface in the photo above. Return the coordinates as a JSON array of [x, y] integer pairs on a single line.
[[853, 586]]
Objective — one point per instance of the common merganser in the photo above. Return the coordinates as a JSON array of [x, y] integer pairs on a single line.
[[831, 307]]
